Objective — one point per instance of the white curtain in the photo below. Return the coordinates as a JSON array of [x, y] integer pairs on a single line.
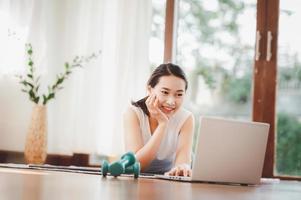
[[86, 115]]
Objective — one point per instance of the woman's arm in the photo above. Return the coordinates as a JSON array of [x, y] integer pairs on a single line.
[[183, 156], [132, 134], [134, 141]]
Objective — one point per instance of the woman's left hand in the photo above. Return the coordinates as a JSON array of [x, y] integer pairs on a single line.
[[180, 170]]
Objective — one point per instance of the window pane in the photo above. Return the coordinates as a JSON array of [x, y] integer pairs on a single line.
[[215, 45], [156, 42], [288, 160]]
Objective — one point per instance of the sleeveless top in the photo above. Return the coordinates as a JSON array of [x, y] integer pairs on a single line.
[[166, 154]]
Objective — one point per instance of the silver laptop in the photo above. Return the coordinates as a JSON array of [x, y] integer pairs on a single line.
[[228, 151]]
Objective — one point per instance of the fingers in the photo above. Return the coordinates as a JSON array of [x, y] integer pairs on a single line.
[[156, 102], [172, 172], [189, 173], [147, 100], [148, 103], [179, 171], [152, 103], [150, 99], [185, 172]]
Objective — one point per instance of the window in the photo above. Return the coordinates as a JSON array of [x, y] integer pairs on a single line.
[[156, 42], [288, 156], [215, 45], [207, 49]]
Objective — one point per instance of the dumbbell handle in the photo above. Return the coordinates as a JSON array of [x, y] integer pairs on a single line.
[[118, 167], [128, 159], [125, 161]]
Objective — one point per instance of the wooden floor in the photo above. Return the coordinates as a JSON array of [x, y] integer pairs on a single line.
[[37, 184]]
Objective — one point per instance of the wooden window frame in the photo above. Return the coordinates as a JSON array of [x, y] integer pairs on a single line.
[[265, 77], [170, 30], [264, 72]]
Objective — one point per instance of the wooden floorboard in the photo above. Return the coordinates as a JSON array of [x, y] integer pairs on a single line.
[[43, 184]]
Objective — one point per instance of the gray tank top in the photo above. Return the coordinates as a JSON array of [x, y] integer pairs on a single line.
[[166, 154]]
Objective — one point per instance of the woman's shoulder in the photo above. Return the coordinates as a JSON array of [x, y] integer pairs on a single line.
[[180, 117], [132, 111], [130, 116], [184, 113], [188, 115], [188, 112], [187, 120]]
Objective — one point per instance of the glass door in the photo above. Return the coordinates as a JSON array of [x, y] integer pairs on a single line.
[[288, 146], [215, 46]]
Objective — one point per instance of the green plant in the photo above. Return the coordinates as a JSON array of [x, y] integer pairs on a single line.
[[31, 82], [237, 90], [288, 145]]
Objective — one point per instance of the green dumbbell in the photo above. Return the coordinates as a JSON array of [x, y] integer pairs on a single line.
[[105, 168], [119, 166], [133, 169]]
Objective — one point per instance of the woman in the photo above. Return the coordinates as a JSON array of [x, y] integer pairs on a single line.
[[157, 128]]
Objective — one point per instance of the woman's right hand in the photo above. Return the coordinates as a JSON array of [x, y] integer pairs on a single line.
[[152, 103]]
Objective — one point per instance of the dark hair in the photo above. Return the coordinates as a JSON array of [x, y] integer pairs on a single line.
[[162, 70]]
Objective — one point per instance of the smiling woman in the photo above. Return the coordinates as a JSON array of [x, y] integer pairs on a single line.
[[157, 128]]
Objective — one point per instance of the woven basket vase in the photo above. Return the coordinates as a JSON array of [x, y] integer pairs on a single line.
[[36, 139]]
